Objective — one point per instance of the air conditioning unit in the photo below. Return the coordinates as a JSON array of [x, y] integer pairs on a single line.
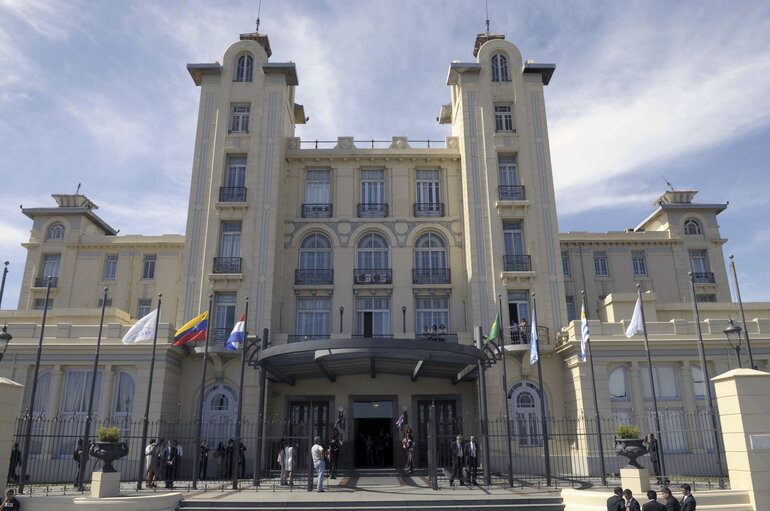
[[363, 278]]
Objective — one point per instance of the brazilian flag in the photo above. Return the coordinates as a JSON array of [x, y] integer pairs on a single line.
[[494, 332]]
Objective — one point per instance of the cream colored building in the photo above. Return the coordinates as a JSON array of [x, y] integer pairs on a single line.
[[371, 264]]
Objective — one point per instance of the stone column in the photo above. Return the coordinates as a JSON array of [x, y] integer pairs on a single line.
[[636, 390], [744, 412]]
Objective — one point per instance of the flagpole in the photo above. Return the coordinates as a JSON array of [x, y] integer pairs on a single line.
[[483, 406], [145, 419], [240, 396], [740, 304], [199, 425], [505, 394], [593, 387], [652, 381], [546, 449], [84, 451], [260, 408]]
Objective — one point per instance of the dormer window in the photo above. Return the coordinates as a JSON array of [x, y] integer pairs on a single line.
[[55, 231], [500, 68], [692, 226], [244, 68]]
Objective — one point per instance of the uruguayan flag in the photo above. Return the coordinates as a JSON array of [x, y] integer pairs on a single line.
[[533, 356], [636, 320], [585, 336], [235, 341]]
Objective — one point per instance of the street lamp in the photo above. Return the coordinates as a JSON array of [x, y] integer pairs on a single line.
[[733, 333], [5, 338]]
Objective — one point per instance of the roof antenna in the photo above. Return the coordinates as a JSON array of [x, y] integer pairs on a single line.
[[486, 4], [671, 187], [78, 189], [259, 9]]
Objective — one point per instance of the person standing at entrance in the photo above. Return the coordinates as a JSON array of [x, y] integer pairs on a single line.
[[408, 444], [318, 455], [457, 451], [203, 463], [472, 459], [334, 453], [652, 448]]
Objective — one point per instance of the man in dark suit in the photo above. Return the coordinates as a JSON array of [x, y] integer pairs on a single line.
[[688, 501], [616, 502], [457, 451], [472, 459], [671, 503], [631, 503], [653, 504], [652, 448]]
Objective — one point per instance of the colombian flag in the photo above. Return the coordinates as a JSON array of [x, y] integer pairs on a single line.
[[193, 330]]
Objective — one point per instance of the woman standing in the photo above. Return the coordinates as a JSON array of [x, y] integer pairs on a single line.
[[289, 461], [219, 454]]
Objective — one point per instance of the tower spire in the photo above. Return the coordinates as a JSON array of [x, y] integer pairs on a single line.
[[259, 10]]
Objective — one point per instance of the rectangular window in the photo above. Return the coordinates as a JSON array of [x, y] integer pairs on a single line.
[[318, 187], [313, 318], [110, 266], [40, 302], [51, 265], [432, 312], [224, 317], [148, 266], [143, 307], [373, 186], [108, 302], [230, 240], [570, 309], [504, 118], [600, 263], [372, 316], [428, 186], [513, 237], [239, 118], [518, 309], [640, 263], [706, 298], [666, 383], [507, 170], [698, 261], [236, 172], [74, 407], [565, 262]]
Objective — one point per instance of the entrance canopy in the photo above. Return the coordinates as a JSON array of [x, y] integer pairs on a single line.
[[330, 358]]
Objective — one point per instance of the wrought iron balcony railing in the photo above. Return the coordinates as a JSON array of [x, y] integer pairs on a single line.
[[372, 210], [519, 336], [437, 336], [307, 337], [227, 265], [315, 277], [431, 276], [373, 276], [232, 194], [429, 209], [316, 211], [517, 262], [706, 277], [43, 281], [511, 192], [372, 336]]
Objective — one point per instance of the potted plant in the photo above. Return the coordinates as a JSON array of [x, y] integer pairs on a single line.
[[630, 444], [108, 447]]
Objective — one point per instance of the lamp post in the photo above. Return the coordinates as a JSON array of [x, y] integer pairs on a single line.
[[743, 316], [342, 310], [5, 338], [733, 333]]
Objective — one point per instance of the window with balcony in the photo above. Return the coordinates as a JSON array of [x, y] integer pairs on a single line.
[[373, 316], [430, 260], [239, 117], [508, 174], [372, 203], [55, 231], [229, 259], [504, 118], [565, 266], [143, 307], [640, 263], [513, 240], [372, 260], [500, 68], [428, 194], [601, 267], [224, 318], [315, 260], [110, 267], [432, 317], [518, 309], [313, 318], [234, 189], [148, 266], [50, 269], [692, 226], [317, 194], [244, 68], [700, 267]]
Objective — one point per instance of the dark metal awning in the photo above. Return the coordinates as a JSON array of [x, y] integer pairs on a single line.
[[329, 359]]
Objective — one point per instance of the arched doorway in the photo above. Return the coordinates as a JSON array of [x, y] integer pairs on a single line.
[[220, 403], [524, 409]]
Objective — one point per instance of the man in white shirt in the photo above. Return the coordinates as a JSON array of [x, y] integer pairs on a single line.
[[317, 454]]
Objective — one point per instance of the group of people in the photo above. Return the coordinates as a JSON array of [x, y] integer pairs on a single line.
[[376, 446], [162, 460], [435, 333], [325, 458], [224, 460], [519, 332], [465, 460], [624, 500]]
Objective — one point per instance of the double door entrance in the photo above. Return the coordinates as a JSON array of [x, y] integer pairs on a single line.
[[375, 434]]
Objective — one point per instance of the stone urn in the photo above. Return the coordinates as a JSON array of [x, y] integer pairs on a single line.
[[108, 452], [631, 448]]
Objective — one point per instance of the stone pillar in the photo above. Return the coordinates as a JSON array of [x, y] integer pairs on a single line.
[[635, 388], [10, 393], [744, 412]]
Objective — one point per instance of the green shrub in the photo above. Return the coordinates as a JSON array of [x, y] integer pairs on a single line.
[[623, 431], [108, 434]]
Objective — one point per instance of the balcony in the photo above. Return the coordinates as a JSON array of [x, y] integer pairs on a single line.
[[511, 192], [307, 337], [315, 277], [232, 194], [429, 209], [517, 336], [431, 276], [43, 281], [227, 265], [437, 336], [373, 276], [218, 339], [316, 211], [372, 210], [706, 277], [517, 263]]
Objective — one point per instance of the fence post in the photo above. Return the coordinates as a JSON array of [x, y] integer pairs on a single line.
[[308, 450], [432, 446], [260, 412]]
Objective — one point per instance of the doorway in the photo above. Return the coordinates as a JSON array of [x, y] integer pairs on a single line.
[[373, 434]]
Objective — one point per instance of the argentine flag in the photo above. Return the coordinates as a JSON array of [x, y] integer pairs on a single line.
[[585, 335], [235, 341], [533, 354]]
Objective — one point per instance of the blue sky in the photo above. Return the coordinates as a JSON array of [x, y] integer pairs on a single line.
[[97, 93]]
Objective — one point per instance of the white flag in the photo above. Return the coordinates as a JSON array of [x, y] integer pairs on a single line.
[[636, 321], [143, 330], [533, 356]]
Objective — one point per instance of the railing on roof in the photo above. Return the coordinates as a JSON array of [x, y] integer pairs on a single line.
[[373, 144]]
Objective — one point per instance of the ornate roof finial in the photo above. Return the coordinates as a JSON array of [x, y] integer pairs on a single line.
[[486, 4], [259, 10]]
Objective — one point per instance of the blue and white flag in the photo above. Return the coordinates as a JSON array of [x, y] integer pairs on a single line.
[[400, 422], [533, 356], [636, 324], [340, 423], [585, 336], [235, 341]]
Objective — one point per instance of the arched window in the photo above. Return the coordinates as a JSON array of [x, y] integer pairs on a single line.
[[55, 231], [697, 382], [315, 252], [524, 408], [220, 402], [692, 226], [244, 68], [618, 382], [373, 252], [500, 68], [123, 407], [41, 409], [430, 260]]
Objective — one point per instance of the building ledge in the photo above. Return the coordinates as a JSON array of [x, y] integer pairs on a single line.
[[198, 70], [508, 207], [517, 277]]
